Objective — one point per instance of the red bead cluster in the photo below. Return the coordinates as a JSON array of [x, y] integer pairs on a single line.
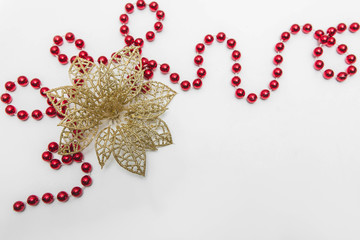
[[62, 196], [150, 35]]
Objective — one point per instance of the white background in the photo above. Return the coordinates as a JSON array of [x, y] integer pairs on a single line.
[[285, 168]]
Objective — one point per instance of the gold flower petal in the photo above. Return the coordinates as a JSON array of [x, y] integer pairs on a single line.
[[80, 119], [157, 130], [104, 144]]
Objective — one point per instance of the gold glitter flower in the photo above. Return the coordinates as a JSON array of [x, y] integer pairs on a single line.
[[116, 106]]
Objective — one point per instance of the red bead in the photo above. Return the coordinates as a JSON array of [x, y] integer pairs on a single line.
[[129, 8], [197, 83], [198, 60], [331, 31], [274, 85], [72, 59], [251, 98], [285, 36], [350, 59], [78, 157], [33, 200], [323, 39], [144, 61], [83, 54], [174, 78], [23, 81], [201, 72], [76, 192], [235, 55], [185, 85], [50, 111], [54, 50], [265, 94], [208, 39], [23, 115], [158, 26], [295, 29], [351, 70], [79, 43], [70, 37], [160, 15], [55, 164], [67, 159], [129, 40], [35, 83], [307, 28], [279, 47], [6, 98], [152, 64], [47, 198], [220, 37], [341, 28], [318, 52], [53, 147], [63, 59], [164, 68], [318, 34], [47, 156], [90, 59], [231, 43], [277, 72], [153, 6], [58, 40], [86, 181], [86, 167], [37, 114], [278, 59], [124, 29], [236, 68], [200, 48], [150, 36], [43, 91], [341, 49], [328, 74], [148, 74], [341, 76], [10, 86], [318, 65], [331, 42], [10, 110], [62, 196], [103, 60], [141, 4], [124, 18], [354, 27], [19, 206], [235, 81], [239, 93]]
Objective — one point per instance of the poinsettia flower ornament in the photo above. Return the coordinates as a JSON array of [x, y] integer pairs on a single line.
[[116, 106]]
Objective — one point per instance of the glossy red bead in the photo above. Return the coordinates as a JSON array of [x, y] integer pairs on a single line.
[[328, 74], [307, 28], [318, 65], [350, 59], [208, 39], [50, 111], [144, 61], [35, 83], [6, 98], [55, 164], [129, 40], [23, 81], [341, 49], [264, 94], [239, 93], [62, 196], [278, 59], [86, 181], [198, 60], [19, 206], [78, 157], [53, 147], [43, 91], [23, 115], [285, 36], [63, 59], [160, 15], [277, 72], [37, 115], [47, 198], [331, 31], [341, 28], [197, 83], [103, 60], [67, 159], [72, 59], [47, 156], [150, 36], [129, 8], [152, 64], [140, 4], [236, 68], [273, 85], [10, 86], [124, 18], [251, 98], [54, 50], [200, 48], [70, 37], [318, 52], [279, 47], [351, 70], [83, 54], [235, 55], [148, 74], [294, 29], [201, 72], [33, 200], [86, 167], [79, 43], [10, 110], [153, 6], [90, 59], [58, 40], [231, 43], [220, 37], [77, 191], [164, 68], [174, 78], [185, 85], [124, 30], [341, 76], [323, 39], [354, 27], [158, 26], [235, 81], [318, 34], [331, 42]]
